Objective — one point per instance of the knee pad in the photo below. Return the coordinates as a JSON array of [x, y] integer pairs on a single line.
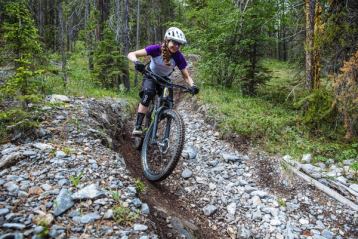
[[147, 96]]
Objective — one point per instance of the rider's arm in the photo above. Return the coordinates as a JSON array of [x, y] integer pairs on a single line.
[[187, 77], [132, 56]]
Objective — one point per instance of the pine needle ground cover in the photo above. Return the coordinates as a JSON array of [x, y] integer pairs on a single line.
[[270, 120]]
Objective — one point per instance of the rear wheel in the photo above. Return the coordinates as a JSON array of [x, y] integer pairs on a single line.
[[159, 159]]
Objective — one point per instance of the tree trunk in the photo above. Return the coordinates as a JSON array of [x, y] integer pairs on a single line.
[[118, 21], [89, 38], [126, 45], [137, 38], [309, 45], [316, 54], [62, 39]]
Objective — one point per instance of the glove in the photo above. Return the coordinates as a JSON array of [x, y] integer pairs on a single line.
[[194, 90], [139, 66]]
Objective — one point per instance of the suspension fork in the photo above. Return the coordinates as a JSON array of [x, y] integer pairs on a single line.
[[157, 113]]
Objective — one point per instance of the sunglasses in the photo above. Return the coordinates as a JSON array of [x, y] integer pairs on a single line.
[[176, 43]]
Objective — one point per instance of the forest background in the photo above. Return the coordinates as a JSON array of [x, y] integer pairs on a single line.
[[281, 73]]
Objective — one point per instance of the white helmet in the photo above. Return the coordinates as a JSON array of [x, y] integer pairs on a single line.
[[175, 34]]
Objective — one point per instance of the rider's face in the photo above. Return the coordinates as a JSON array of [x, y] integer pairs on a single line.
[[173, 46]]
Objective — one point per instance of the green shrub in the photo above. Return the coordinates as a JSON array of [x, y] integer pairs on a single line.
[[124, 216], [139, 185], [318, 110], [75, 180]]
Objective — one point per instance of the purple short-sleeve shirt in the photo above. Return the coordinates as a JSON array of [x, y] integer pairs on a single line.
[[157, 64]]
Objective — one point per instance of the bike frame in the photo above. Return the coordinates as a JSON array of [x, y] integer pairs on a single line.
[[164, 102]]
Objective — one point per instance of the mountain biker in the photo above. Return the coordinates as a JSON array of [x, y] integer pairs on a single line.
[[164, 58]]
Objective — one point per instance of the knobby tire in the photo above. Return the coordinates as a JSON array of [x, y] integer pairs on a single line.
[[153, 156]]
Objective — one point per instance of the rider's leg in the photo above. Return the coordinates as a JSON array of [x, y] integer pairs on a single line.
[[142, 110], [147, 96]]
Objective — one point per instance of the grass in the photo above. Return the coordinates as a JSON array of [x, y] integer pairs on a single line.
[[270, 121], [81, 81], [139, 186], [124, 216], [277, 92], [75, 180], [116, 196]]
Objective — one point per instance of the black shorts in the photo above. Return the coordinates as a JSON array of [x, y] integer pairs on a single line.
[[152, 86]]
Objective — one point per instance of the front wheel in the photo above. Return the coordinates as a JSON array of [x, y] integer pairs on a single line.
[[159, 158]]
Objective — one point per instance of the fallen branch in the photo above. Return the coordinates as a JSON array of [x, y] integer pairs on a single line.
[[10, 160], [341, 186], [319, 185]]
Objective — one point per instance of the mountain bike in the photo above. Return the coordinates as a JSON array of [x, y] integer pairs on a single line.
[[162, 142]]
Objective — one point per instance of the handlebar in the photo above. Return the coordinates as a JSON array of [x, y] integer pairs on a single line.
[[163, 82]]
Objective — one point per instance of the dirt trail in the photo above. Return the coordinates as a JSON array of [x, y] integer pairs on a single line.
[[167, 208]]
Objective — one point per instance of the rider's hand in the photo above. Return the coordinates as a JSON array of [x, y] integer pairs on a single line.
[[194, 90], [139, 66]]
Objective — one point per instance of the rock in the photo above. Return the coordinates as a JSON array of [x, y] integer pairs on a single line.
[[139, 227], [63, 181], [212, 186], [22, 194], [232, 232], [46, 187], [257, 215], [35, 191], [136, 202], [9, 150], [230, 157], [89, 192], [38, 229], [4, 211], [58, 98], [275, 222], [287, 157], [348, 162], [29, 153], [108, 214], [132, 190], [306, 158], [304, 221], [186, 173], [42, 146], [43, 218], [329, 161], [15, 235], [327, 234], [209, 210], [145, 209], [213, 163], [259, 193], [16, 226], [11, 186], [191, 151], [60, 154], [63, 202], [243, 232], [231, 208], [88, 218], [256, 201]]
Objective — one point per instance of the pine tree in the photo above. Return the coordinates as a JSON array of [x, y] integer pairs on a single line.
[[22, 42], [23, 51], [109, 63]]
